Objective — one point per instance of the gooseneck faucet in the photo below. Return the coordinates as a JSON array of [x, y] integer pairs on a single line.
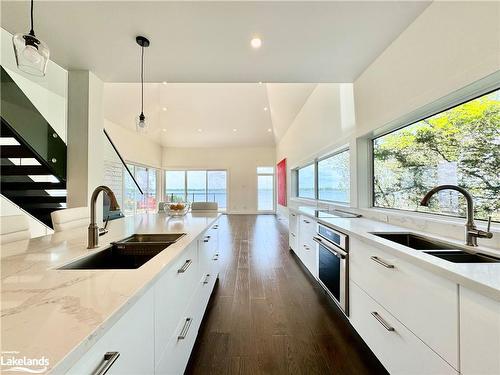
[[471, 232], [93, 232]]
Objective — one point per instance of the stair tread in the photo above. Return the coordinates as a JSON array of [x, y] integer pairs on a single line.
[[19, 170], [15, 152]]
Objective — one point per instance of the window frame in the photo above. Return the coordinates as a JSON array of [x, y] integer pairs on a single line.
[[273, 175], [206, 170], [337, 152], [314, 163], [436, 109]]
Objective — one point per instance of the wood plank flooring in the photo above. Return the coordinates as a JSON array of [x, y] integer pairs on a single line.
[[266, 316]]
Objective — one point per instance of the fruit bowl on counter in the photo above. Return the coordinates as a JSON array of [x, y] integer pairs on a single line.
[[177, 208]]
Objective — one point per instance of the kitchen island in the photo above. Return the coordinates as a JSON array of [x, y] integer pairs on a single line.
[[60, 315]]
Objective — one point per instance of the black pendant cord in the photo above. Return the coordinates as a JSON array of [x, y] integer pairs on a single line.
[[32, 32], [142, 80]]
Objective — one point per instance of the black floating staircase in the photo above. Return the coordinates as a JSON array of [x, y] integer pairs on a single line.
[[33, 156]]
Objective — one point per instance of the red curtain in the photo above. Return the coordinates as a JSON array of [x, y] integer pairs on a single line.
[[281, 177]]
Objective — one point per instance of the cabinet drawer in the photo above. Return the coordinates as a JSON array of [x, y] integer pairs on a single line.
[[131, 337], [174, 358], [309, 256], [399, 350], [173, 291], [422, 301]]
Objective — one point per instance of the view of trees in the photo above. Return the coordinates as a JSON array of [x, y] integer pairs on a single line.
[[460, 146]]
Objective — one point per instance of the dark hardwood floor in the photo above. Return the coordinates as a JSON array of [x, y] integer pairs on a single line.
[[267, 316]]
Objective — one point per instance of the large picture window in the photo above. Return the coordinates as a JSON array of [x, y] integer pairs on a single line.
[[333, 178], [306, 184], [459, 146], [265, 188], [197, 186]]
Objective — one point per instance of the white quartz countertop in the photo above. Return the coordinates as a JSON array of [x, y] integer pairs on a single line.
[[60, 314], [480, 277]]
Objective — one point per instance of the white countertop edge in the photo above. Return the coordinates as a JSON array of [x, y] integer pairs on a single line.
[[428, 262], [65, 363]]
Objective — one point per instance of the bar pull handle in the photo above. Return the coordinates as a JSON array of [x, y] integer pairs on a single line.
[[185, 266], [207, 276], [306, 247], [185, 329], [382, 321], [306, 221], [381, 262], [107, 361], [206, 239], [293, 234], [216, 257]]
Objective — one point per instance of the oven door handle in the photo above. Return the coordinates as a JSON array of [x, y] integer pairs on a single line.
[[336, 251]]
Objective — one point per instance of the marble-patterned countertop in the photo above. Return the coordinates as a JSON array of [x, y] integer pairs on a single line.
[[60, 314], [481, 277]]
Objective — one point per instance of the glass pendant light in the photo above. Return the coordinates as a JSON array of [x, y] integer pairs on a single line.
[[141, 124], [32, 54]]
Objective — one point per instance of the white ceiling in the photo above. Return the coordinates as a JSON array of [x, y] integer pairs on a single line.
[[228, 114], [209, 41]]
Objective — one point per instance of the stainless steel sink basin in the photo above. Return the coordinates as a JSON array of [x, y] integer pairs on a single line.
[[415, 241], [129, 253], [459, 256], [443, 250]]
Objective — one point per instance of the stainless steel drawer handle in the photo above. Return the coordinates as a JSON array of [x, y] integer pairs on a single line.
[[185, 266], [293, 215], [381, 262], [381, 320], [185, 329], [293, 234], [107, 361], [307, 222], [207, 238], [207, 276], [306, 247], [216, 257]]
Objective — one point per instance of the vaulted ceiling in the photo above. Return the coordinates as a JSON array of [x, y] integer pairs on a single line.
[[204, 41]]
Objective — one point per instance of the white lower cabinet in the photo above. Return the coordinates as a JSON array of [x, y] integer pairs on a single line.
[[399, 350], [293, 231], [306, 249], [424, 302], [131, 337], [479, 334]]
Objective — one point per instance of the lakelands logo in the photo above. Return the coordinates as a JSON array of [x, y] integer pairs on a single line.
[[13, 362]]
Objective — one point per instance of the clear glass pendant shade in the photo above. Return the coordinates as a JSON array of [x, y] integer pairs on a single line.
[[141, 124], [32, 54]]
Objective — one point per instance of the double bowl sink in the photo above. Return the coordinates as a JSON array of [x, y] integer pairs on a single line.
[[129, 253], [438, 249]]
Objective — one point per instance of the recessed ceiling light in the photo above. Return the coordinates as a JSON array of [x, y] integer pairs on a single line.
[[260, 83], [164, 109], [269, 130], [200, 130], [265, 108], [256, 43], [163, 130], [234, 130], [164, 82]]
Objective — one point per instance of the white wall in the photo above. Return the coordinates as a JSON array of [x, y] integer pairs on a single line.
[[325, 123], [449, 46], [241, 164], [48, 94], [134, 147]]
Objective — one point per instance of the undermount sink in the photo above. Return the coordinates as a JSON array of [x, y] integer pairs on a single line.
[[415, 241], [459, 256], [130, 253], [446, 251]]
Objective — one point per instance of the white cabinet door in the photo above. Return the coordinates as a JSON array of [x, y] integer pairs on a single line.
[[293, 231], [307, 249], [398, 349], [425, 303], [479, 334], [132, 337], [173, 292]]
